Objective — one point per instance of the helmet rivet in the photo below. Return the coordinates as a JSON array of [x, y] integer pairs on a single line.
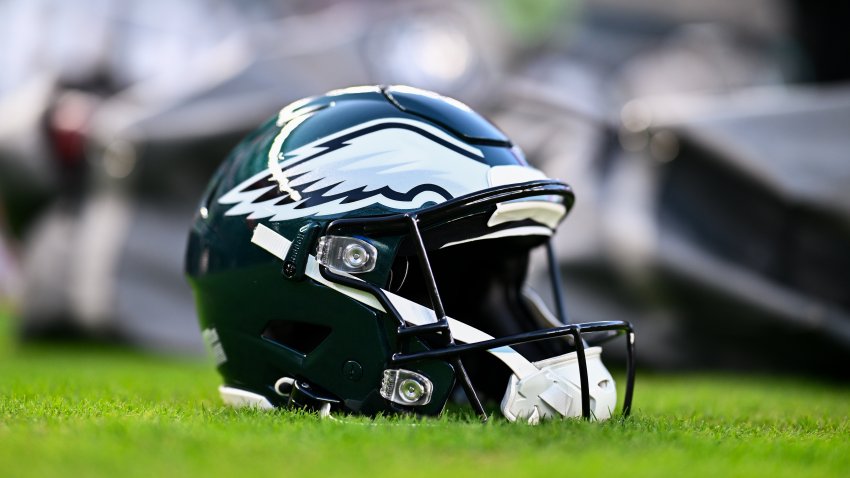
[[355, 256], [352, 370], [411, 389]]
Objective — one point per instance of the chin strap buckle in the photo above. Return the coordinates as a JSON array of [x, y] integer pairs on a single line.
[[302, 395]]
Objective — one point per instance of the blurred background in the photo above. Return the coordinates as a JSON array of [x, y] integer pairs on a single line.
[[707, 143]]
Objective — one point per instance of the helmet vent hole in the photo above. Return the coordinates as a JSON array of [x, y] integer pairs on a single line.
[[298, 336]]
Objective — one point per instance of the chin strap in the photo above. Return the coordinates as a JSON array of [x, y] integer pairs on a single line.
[[554, 390], [536, 390]]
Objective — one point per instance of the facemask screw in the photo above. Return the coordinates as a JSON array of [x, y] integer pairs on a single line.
[[346, 254], [406, 387], [411, 390], [355, 256]]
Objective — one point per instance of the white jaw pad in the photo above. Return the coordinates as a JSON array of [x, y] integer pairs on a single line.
[[555, 390]]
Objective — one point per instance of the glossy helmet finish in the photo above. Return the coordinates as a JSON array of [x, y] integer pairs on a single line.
[[335, 239]]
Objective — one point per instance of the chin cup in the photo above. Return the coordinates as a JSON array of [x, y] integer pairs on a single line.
[[554, 391]]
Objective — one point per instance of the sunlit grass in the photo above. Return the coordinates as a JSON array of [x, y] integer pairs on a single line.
[[75, 411]]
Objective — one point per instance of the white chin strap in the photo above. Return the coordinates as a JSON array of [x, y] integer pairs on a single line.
[[538, 390], [555, 391]]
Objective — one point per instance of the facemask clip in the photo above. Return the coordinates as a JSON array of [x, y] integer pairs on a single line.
[[346, 254], [406, 388]]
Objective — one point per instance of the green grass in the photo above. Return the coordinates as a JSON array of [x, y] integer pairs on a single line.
[[73, 411]]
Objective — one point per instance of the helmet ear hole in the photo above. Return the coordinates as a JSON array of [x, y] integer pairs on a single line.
[[298, 336]]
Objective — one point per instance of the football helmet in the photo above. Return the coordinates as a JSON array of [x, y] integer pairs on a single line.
[[366, 250]]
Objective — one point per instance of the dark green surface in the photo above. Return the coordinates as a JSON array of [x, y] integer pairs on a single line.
[[73, 411]]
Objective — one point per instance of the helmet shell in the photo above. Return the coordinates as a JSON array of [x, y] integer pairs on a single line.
[[266, 326]]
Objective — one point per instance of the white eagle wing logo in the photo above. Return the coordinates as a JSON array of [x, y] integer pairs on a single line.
[[395, 162]]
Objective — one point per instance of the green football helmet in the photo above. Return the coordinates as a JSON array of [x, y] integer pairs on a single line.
[[366, 251]]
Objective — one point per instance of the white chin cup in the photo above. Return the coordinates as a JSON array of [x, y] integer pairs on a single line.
[[555, 390]]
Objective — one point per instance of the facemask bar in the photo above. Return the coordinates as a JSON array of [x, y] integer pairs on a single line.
[[452, 351], [574, 330]]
